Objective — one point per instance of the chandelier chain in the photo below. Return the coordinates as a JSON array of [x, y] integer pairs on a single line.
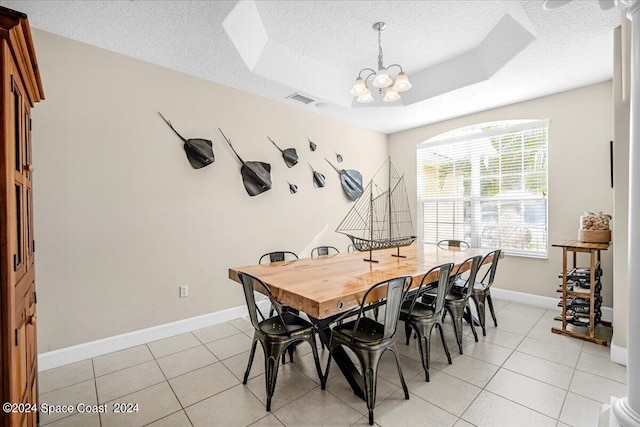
[[380, 55]]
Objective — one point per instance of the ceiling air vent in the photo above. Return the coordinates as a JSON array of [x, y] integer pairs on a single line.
[[301, 98]]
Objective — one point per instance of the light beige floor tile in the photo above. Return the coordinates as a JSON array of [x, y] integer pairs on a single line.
[[238, 364], [396, 411], [596, 349], [490, 410], [579, 411], [511, 321], [84, 392], [154, 403], [64, 376], [317, 408], [524, 310], [172, 345], [121, 359], [177, 419], [486, 351], [498, 304], [78, 420], [602, 366], [239, 406], [388, 369], [540, 369], [268, 421], [444, 391], [528, 392], [462, 423], [502, 338], [564, 354], [202, 383], [215, 332], [341, 389], [595, 387], [186, 361], [242, 324], [467, 368], [127, 381], [306, 365], [230, 346], [290, 385]]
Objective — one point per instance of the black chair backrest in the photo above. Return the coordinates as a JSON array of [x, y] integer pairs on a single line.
[[471, 278], [491, 272], [278, 256], [323, 250], [249, 285], [444, 272], [397, 289], [453, 245]]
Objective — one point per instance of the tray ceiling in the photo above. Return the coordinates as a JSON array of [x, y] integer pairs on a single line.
[[461, 56]]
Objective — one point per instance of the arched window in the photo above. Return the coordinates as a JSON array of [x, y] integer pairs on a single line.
[[486, 184]]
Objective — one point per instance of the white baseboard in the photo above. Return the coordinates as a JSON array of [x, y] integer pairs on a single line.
[[618, 354], [76, 353], [539, 301]]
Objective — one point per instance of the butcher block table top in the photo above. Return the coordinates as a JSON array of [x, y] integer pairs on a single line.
[[325, 286]]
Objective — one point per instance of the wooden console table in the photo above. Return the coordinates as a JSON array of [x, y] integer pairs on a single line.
[[593, 249]]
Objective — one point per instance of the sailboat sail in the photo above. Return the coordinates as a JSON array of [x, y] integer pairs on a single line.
[[381, 217]]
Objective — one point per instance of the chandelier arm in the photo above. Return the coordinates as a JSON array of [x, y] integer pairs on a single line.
[[395, 65], [366, 69]]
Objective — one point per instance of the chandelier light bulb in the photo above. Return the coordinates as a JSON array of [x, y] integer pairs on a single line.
[[391, 95], [402, 82], [382, 79], [359, 87], [366, 98]]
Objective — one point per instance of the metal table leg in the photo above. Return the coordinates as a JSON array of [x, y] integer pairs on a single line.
[[340, 357]]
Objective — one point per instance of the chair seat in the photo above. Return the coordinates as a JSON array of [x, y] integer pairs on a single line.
[[295, 325], [430, 298], [458, 285], [420, 311], [369, 331]]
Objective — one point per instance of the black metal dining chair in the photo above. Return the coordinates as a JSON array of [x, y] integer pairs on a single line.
[[457, 304], [482, 290], [369, 339], [323, 250], [275, 334], [422, 317], [278, 256], [453, 245]]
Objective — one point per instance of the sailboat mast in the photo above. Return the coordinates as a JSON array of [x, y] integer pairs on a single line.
[[389, 182]]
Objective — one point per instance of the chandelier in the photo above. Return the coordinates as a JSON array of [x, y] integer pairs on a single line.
[[381, 79]]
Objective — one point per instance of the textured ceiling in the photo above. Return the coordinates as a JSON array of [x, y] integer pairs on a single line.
[[462, 56]]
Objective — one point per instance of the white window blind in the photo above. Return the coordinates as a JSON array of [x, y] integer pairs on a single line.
[[486, 185]]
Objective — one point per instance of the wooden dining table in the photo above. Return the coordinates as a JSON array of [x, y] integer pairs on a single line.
[[328, 286]]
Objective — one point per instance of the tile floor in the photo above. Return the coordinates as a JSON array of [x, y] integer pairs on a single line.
[[520, 374]]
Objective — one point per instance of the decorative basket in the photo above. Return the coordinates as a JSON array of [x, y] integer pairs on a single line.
[[594, 236]]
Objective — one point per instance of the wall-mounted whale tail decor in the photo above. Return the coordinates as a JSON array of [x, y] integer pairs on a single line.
[[256, 176], [199, 151], [351, 182], [318, 178], [293, 189], [312, 145], [290, 155]]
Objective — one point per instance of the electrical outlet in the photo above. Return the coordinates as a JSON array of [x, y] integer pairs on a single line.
[[184, 291]]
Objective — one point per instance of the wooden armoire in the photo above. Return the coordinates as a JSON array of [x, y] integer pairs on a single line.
[[20, 89]]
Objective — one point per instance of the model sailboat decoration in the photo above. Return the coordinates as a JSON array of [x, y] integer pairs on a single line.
[[381, 218]]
